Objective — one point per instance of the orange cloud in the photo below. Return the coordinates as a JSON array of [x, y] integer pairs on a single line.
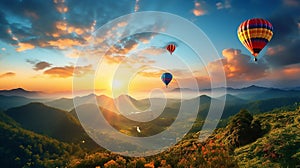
[[62, 9], [152, 51], [114, 59], [287, 75], [122, 24], [55, 35], [291, 71], [151, 74], [64, 43], [123, 50], [274, 50], [58, 1], [133, 59], [63, 28], [60, 6], [238, 67], [76, 30], [7, 74], [68, 71], [61, 25], [24, 46], [199, 10]]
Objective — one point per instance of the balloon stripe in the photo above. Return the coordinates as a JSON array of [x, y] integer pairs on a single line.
[[253, 26], [259, 44], [248, 34], [244, 37], [256, 39], [262, 32]]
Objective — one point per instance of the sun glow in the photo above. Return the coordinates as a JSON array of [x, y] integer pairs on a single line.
[[117, 84]]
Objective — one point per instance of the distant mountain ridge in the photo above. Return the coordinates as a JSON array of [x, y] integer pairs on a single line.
[[244, 89], [233, 96], [7, 102], [21, 92]]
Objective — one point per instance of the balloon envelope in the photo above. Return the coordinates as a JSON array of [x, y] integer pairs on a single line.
[[166, 78], [171, 48], [254, 34]]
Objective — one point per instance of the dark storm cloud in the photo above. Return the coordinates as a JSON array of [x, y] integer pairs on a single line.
[[4, 35], [285, 54], [41, 14], [44, 23], [285, 27], [84, 12], [37, 19], [284, 48]]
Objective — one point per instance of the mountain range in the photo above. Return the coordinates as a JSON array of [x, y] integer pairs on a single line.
[[27, 122], [21, 92], [249, 98]]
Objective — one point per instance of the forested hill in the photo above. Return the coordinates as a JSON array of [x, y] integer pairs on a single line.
[[23, 148]]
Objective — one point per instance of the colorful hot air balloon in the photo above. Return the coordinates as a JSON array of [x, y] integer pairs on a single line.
[[171, 48], [254, 34], [166, 78]]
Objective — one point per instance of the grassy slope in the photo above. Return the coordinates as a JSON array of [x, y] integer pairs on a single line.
[[23, 148], [279, 147]]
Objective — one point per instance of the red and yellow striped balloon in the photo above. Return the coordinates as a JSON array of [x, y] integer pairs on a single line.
[[254, 34], [171, 48]]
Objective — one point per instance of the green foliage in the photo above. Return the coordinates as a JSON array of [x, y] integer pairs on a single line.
[[280, 147], [188, 153], [242, 129], [264, 140], [282, 104], [23, 148], [52, 122]]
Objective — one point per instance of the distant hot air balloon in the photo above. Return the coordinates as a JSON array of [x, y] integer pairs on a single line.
[[171, 48], [166, 78], [254, 34]]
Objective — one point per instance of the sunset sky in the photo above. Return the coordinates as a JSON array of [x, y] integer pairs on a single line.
[[40, 42]]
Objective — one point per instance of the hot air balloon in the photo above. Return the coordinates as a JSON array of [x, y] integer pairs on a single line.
[[166, 78], [171, 48], [254, 34]]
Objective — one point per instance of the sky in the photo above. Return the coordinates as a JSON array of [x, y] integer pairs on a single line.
[[42, 41]]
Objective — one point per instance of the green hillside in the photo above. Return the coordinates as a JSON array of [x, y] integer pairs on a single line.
[[279, 147], [264, 140], [23, 148], [247, 139], [52, 122]]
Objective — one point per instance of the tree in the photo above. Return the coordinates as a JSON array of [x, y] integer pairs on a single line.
[[242, 129]]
